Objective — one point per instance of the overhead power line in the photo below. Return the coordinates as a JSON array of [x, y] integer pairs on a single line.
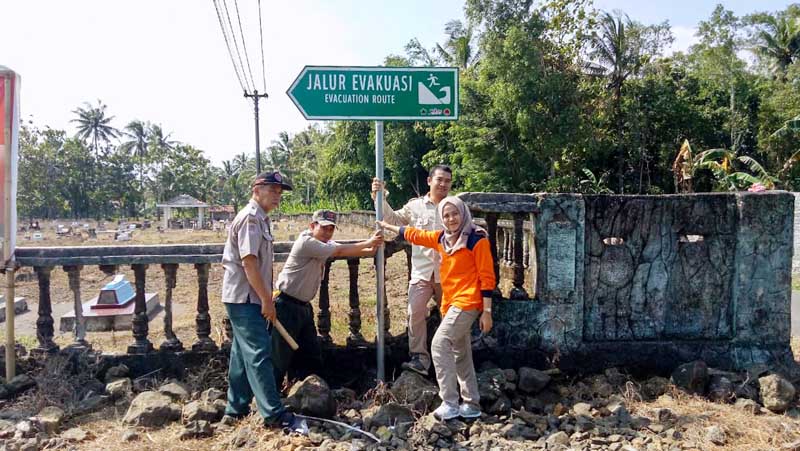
[[236, 45], [228, 45], [244, 47], [248, 85], [261, 40]]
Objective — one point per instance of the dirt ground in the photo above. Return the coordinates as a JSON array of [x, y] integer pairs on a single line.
[[748, 432]]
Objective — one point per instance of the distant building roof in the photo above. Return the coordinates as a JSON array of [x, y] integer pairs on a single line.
[[183, 201]]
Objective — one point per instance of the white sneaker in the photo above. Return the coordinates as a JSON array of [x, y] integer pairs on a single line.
[[469, 411], [446, 412]]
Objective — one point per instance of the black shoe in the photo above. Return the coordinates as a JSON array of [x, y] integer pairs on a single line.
[[231, 419], [288, 422], [416, 366]]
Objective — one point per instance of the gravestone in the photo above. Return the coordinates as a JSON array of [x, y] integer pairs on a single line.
[[112, 309]]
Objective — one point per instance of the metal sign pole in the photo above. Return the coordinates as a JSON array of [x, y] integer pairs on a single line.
[[379, 256]]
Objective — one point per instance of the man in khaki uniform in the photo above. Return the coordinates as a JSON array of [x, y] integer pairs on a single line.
[[298, 283], [247, 296], [425, 281]]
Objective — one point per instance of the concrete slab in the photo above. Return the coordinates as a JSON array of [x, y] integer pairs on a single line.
[[20, 306], [104, 320]]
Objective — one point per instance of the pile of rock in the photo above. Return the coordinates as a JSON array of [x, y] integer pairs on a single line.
[[750, 390], [523, 409]]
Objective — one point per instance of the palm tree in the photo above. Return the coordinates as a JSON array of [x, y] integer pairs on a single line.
[[779, 42], [159, 145], [616, 55], [93, 124], [230, 173], [279, 152], [460, 49], [139, 134]]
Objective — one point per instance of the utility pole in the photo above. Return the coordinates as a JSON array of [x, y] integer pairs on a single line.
[[256, 97]]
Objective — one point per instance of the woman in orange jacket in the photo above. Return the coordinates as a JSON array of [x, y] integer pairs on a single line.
[[468, 280]]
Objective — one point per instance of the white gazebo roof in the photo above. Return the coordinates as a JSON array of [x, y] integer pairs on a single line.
[[183, 201]]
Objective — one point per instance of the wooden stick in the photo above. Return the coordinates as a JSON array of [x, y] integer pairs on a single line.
[[285, 334]]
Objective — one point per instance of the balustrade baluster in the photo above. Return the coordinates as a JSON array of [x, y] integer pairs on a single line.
[[355, 337], [526, 242], [44, 323], [74, 276], [172, 343], [509, 257], [518, 292], [203, 320], [324, 314], [141, 344], [491, 225]]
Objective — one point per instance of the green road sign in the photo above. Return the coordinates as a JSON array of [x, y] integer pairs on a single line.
[[377, 93]]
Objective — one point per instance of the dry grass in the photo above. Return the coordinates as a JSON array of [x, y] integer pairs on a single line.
[[744, 431]]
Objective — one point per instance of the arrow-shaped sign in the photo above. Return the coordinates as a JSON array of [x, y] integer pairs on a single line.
[[376, 93]]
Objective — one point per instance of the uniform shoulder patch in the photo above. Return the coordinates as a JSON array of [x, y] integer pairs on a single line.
[[473, 239]]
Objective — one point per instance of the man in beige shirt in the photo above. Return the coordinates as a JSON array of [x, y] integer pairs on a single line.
[[298, 283], [425, 283], [247, 295]]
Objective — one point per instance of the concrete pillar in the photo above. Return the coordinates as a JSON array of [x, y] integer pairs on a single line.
[[166, 217], [200, 218]]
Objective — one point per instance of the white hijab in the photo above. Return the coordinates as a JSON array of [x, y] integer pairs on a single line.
[[454, 241]]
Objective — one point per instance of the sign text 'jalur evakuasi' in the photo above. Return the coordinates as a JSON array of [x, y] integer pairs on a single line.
[[376, 93]]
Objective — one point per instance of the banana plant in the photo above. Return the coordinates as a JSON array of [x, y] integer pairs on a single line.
[[724, 164], [593, 184]]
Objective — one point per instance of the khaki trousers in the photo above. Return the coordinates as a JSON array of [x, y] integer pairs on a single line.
[[419, 293], [452, 358]]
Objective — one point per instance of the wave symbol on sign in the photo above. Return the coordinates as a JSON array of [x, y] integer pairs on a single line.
[[426, 97]]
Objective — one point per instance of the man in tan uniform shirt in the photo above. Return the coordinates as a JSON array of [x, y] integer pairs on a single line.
[[425, 282], [298, 283], [247, 295]]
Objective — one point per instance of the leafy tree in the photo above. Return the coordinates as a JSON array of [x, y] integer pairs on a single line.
[[715, 58]]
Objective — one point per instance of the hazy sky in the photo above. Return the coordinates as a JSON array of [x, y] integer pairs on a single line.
[[165, 61]]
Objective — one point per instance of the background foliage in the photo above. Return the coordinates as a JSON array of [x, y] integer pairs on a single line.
[[556, 96]]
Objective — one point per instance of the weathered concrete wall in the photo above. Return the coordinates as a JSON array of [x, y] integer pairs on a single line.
[[671, 276], [654, 280]]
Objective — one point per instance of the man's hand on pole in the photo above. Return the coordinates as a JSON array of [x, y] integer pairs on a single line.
[[376, 239], [377, 185]]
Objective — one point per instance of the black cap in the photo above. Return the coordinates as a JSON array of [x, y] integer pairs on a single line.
[[272, 178]]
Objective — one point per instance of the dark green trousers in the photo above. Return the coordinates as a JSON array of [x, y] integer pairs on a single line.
[[250, 372], [298, 319]]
